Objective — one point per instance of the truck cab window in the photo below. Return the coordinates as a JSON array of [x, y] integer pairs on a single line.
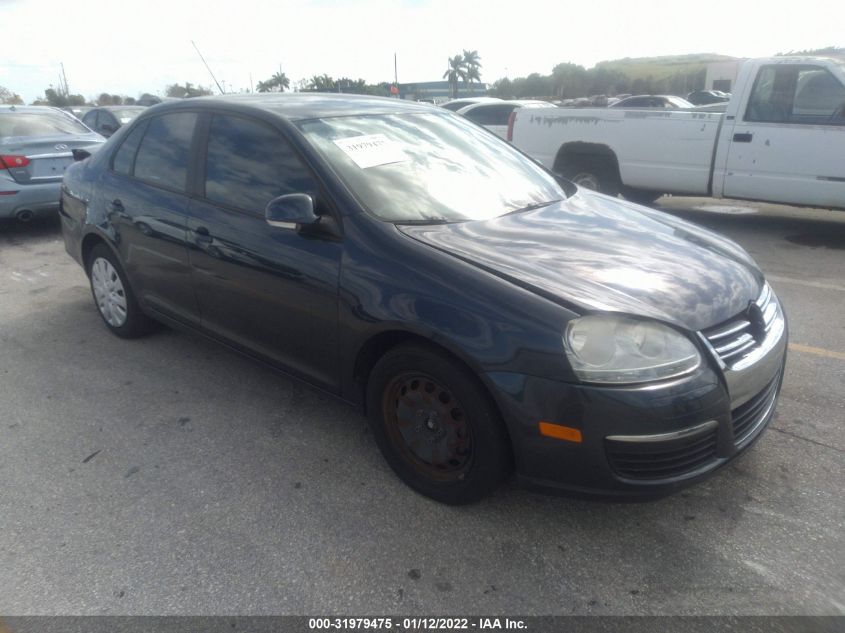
[[807, 95]]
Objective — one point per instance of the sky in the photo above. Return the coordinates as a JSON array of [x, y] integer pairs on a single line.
[[129, 47]]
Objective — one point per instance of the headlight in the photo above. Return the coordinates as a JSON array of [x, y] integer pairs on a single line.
[[619, 350]]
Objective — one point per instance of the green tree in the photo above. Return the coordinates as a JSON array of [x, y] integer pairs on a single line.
[[277, 83], [322, 83], [10, 98], [455, 74], [472, 65], [569, 80], [502, 88], [188, 90]]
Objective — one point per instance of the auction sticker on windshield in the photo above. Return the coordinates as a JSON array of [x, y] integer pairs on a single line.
[[371, 150]]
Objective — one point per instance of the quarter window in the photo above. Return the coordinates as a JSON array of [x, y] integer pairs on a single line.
[[125, 155], [249, 163], [163, 156]]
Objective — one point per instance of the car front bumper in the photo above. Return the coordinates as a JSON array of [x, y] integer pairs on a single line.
[[643, 440]]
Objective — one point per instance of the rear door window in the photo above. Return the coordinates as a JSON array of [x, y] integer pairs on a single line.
[[162, 158], [248, 163]]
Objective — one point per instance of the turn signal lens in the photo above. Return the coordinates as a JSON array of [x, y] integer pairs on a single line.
[[560, 432]]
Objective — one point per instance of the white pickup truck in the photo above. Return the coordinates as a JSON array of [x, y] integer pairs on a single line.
[[782, 139]]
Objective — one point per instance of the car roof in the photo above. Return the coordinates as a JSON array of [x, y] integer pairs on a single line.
[[514, 102], [30, 109], [120, 107], [296, 106]]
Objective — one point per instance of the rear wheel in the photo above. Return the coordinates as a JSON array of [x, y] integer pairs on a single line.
[[436, 426], [113, 296], [592, 172]]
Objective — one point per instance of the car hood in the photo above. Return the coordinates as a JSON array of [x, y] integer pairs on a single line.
[[595, 253]]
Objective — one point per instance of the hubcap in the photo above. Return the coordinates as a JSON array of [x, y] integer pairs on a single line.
[[109, 292], [428, 426], [587, 180]]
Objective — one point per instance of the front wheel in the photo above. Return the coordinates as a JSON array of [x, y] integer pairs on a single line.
[[114, 298], [435, 425]]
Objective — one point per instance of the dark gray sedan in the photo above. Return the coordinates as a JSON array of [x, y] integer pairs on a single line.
[[106, 120]]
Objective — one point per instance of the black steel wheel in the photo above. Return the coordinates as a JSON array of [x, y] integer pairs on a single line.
[[436, 426]]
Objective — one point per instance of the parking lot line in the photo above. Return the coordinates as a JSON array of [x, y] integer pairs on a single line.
[[819, 351]]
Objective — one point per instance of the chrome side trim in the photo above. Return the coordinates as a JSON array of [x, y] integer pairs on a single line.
[[699, 429]]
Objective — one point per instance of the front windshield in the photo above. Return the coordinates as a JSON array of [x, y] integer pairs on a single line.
[[429, 167], [42, 123]]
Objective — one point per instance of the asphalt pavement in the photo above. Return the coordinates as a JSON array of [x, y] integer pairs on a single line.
[[169, 475]]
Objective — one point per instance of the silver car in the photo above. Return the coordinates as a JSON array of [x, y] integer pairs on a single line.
[[36, 144]]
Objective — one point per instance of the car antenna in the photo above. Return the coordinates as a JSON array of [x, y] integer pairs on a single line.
[[209, 69]]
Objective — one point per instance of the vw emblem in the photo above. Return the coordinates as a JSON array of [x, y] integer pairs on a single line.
[[758, 323], [61, 146]]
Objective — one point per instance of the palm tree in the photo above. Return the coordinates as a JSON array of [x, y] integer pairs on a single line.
[[278, 82], [455, 73], [472, 63]]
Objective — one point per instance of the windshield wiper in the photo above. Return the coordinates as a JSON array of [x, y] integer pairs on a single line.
[[532, 207]]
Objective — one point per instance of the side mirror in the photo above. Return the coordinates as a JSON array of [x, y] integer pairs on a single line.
[[80, 154], [291, 211]]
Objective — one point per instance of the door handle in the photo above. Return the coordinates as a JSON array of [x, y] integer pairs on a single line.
[[203, 235], [743, 137]]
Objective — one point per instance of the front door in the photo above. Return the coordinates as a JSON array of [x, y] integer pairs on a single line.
[[270, 290], [789, 139]]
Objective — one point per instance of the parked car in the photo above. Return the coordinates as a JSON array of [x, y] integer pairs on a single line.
[[36, 144], [483, 312], [106, 120], [780, 139], [495, 116], [77, 111], [456, 104], [652, 101], [707, 97]]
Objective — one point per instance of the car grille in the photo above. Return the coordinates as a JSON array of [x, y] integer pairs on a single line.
[[747, 417], [735, 338], [662, 459]]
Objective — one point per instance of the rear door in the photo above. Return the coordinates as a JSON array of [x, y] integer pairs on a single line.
[[789, 139], [270, 290], [144, 194]]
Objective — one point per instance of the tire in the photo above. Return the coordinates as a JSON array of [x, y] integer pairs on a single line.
[[113, 296], [592, 172], [436, 426], [641, 196]]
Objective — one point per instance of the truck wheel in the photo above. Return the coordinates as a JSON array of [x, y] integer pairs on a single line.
[[436, 426], [640, 196], [592, 173]]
